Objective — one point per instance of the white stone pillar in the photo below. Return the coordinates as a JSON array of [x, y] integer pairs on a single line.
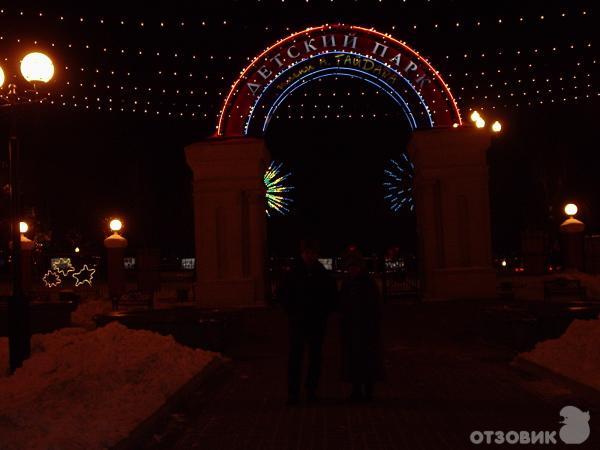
[[115, 245], [453, 217], [230, 222], [572, 244]]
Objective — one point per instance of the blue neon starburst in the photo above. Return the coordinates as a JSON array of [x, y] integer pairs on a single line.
[[278, 189], [398, 184]]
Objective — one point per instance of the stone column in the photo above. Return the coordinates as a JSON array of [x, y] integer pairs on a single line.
[[453, 217], [27, 246], [115, 245], [230, 222], [572, 244]]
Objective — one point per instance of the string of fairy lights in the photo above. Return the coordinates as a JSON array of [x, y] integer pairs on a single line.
[[176, 68], [570, 87], [199, 57], [157, 75], [140, 23]]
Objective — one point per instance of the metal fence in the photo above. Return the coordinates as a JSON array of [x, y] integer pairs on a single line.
[[398, 278]]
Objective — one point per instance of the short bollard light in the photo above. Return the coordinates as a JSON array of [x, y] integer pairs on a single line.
[[571, 209], [27, 246], [115, 225], [115, 240], [571, 225], [26, 243]]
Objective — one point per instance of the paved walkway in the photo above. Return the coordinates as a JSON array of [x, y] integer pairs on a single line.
[[443, 382]]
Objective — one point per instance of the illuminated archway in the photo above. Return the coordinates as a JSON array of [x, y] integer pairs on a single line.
[[450, 169], [338, 51]]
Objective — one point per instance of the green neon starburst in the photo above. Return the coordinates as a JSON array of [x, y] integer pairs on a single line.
[[278, 189]]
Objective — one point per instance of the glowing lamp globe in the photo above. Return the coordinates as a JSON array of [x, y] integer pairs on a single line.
[[2, 77], [480, 123], [23, 227], [571, 209], [115, 225], [496, 127], [475, 116], [37, 67]]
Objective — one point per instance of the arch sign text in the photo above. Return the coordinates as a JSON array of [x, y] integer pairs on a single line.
[[338, 51]]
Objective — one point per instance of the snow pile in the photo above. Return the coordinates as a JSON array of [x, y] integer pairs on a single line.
[[574, 354], [591, 283], [531, 287], [81, 317], [88, 389], [87, 309]]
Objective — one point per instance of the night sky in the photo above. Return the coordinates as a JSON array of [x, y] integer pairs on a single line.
[[531, 65]]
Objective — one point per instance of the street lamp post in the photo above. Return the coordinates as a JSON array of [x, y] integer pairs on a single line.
[[35, 68]]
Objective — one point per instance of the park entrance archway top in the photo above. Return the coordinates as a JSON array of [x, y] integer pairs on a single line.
[[337, 51]]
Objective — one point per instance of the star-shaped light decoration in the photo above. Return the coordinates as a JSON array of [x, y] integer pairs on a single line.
[[85, 275], [51, 279], [63, 266]]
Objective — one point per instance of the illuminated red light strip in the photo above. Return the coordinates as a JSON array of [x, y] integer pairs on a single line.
[[420, 58], [249, 66], [234, 87]]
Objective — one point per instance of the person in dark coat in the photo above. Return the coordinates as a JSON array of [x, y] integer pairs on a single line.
[[359, 305], [307, 294]]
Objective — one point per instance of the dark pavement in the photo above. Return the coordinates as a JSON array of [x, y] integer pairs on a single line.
[[445, 378]]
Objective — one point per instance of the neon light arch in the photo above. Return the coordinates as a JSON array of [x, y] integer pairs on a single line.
[[300, 83], [337, 50], [274, 98]]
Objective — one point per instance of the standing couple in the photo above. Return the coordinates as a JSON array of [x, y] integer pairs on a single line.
[[309, 295]]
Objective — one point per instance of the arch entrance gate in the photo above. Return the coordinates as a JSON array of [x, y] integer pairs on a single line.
[[450, 182]]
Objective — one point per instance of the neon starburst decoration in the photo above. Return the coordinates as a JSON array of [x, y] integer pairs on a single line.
[[51, 279], [62, 266], [85, 275], [398, 184], [278, 189]]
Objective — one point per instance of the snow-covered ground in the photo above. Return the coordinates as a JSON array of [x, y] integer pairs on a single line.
[[85, 389], [87, 309], [591, 282], [531, 287], [574, 354]]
